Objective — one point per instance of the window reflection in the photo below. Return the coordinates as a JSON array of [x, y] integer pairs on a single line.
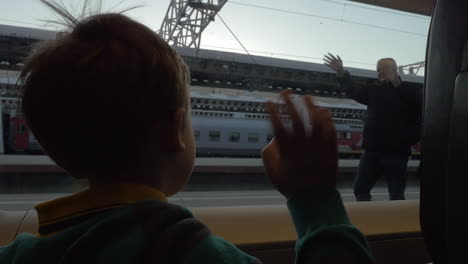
[[229, 87]]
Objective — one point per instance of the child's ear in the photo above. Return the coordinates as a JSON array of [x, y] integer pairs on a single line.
[[178, 129]]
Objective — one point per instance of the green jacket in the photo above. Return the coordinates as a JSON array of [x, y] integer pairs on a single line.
[[153, 231]]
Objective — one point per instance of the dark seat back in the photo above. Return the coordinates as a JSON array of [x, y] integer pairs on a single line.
[[444, 186]]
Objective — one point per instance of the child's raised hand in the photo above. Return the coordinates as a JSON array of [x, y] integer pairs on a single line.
[[295, 160]]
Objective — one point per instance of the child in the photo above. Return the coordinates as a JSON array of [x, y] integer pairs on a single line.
[[109, 102]]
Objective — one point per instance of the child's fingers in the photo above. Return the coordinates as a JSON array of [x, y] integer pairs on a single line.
[[278, 128], [298, 126], [316, 116], [314, 113], [270, 156], [309, 102], [328, 126], [272, 163]]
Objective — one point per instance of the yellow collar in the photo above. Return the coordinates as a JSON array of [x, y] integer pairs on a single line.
[[93, 200]]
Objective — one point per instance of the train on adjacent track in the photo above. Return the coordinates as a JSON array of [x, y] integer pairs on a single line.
[[223, 125]]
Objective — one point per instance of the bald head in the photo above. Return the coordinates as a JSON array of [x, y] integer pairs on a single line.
[[387, 70]]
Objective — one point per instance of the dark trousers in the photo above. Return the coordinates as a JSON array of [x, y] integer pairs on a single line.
[[372, 166]]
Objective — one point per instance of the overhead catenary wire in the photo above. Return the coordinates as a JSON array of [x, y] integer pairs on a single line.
[[328, 18], [240, 43], [378, 10]]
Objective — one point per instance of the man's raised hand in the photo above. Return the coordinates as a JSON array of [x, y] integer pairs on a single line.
[[335, 63]]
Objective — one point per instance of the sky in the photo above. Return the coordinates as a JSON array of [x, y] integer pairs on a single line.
[[295, 29]]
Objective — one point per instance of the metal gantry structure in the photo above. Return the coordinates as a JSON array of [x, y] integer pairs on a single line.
[[411, 69], [185, 21]]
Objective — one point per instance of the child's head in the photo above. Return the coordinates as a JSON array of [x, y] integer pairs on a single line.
[[109, 101]]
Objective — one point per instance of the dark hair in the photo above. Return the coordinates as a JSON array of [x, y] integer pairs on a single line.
[[93, 95]]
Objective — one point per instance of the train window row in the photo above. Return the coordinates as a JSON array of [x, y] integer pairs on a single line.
[[347, 121], [213, 104], [347, 116], [195, 80], [227, 108], [258, 116], [267, 117], [8, 101], [215, 136], [220, 114], [233, 136], [8, 87], [348, 111], [199, 101], [199, 113]]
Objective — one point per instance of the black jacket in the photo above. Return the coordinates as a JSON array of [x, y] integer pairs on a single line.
[[394, 115]]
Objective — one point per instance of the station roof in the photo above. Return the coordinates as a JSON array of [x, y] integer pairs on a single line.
[[216, 55], [26, 33]]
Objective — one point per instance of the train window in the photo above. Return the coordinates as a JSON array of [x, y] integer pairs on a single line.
[[214, 135], [242, 129], [348, 135], [252, 137], [234, 136], [18, 129]]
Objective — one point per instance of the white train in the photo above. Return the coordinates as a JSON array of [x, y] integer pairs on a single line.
[[238, 125], [223, 125]]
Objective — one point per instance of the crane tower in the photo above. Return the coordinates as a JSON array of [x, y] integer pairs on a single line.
[[185, 21]]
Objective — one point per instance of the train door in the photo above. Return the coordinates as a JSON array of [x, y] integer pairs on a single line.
[[19, 135]]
